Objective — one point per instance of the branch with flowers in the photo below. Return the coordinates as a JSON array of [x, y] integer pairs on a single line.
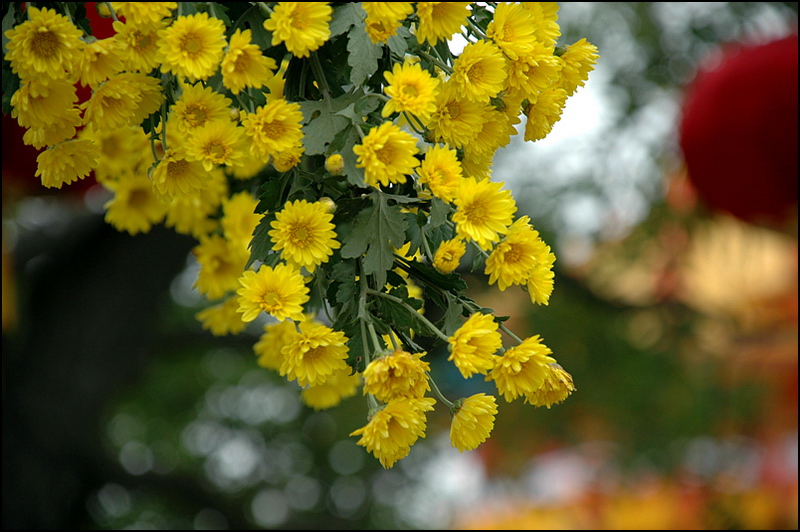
[[334, 164]]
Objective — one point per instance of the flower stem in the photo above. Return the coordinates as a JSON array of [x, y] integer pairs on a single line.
[[411, 309], [439, 393]]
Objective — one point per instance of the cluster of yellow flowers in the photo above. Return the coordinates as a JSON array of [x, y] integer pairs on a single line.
[[334, 164]]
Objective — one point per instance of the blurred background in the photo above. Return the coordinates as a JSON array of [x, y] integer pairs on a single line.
[[668, 191]]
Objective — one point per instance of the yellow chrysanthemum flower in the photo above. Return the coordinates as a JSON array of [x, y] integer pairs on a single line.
[[274, 128], [544, 113], [530, 74], [196, 215], [198, 106], [473, 421], [275, 337], [122, 149], [383, 18], [239, 217], [134, 207], [440, 172], [440, 20], [392, 431], [517, 256], [339, 385], [144, 13], [396, 375], [217, 143], [410, 89], [66, 162], [46, 46], [577, 61], [541, 280], [304, 234], [480, 71], [484, 211], [474, 344], [314, 355], [251, 166], [303, 26], [280, 291], [387, 155], [545, 17], [521, 370], [244, 65], [496, 131], [222, 319], [557, 386], [448, 255], [513, 29], [334, 164], [221, 265], [456, 120], [477, 165], [100, 61], [47, 111], [138, 45], [177, 176], [192, 46], [286, 160], [124, 100]]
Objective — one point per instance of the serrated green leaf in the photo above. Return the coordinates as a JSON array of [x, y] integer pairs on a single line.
[[376, 232], [398, 43], [344, 16], [261, 244], [439, 212], [363, 54], [323, 120], [452, 319]]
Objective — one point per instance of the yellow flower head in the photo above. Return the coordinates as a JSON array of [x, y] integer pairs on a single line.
[[334, 164], [483, 211], [578, 60], [448, 255], [217, 143], [383, 18], [197, 215], [545, 18], [221, 264], [134, 207], [557, 386], [480, 71], [530, 74], [541, 280], [441, 172], [288, 159], [392, 431], [472, 421], [513, 29], [100, 61], [303, 26], [198, 106], [138, 45], [387, 155], [517, 256], [274, 128], [66, 162], [124, 100], [522, 369], [47, 111], [244, 65], [192, 46], [280, 292], [474, 344], [339, 385], [314, 355], [47, 46], [123, 149], [144, 13], [304, 234], [440, 20], [544, 113], [410, 89], [177, 176], [275, 337], [222, 319], [239, 218], [396, 375], [496, 131], [456, 120]]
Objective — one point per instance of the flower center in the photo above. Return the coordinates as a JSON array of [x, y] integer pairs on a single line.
[[177, 168], [475, 73], [138, 198], [44, 43], [270, 301], [273, 130], [216, 151], [300, 235], [191, 44], [386, 155], [410, 91], [196, 115], [475, 213]]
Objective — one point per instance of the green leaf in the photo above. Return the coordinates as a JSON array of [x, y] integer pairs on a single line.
[[398, 43], [324, 120], [344, 16], [363, 54], [452, 319], [439, 212], [261, 244], [376, 232]]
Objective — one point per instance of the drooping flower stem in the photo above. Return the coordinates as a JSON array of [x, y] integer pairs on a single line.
[[439, 393], [411, 309]]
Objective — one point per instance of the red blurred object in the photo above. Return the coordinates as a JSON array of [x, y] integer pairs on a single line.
[[739, 133]]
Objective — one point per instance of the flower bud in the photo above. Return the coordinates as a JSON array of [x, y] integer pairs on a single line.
[[334, 164], [103, 10]]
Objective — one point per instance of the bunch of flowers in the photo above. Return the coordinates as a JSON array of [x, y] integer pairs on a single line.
[[334, 163]]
